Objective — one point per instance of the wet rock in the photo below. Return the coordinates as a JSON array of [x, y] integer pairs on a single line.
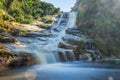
[[67, 46], [7, 38], [70, 56], [74, 31], [56, 29], [77, 54], [62, 56], [22, 59], [66, 56], [86, 56], [31, 34], [36, 34], [69, 41]]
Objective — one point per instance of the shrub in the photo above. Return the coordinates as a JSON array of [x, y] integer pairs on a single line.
[[43, 26], [48, 20]]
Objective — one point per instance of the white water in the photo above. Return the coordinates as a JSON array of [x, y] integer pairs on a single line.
[[46, 49]]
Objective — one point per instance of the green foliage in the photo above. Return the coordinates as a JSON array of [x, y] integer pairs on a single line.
[[43, 26], [4, 18], [101, 21], [48, 20], [48, 9], [25, 11]]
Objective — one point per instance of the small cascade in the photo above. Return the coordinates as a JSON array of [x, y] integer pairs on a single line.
[[89, 47], [62, 56], [70, 55], [66, 55], [59, 21]]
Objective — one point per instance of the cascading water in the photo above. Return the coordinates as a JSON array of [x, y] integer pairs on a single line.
[[46, 51]]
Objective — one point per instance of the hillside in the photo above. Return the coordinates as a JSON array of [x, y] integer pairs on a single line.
[[23, 11], [100, 20], [19, 18]]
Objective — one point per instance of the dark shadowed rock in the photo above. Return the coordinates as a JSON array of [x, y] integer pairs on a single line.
[[62, 56], [74, 31], [7, 38], [22, 59]]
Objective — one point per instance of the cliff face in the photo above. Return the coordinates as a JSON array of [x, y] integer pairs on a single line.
[[77, 6], [100, 19]]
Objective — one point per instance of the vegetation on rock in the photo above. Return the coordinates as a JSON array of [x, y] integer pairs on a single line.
[[100, 20], [43, 26]]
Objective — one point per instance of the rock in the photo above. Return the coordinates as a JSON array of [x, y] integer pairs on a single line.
[[66, 56], [56, 29], [22, 59], [67, 46], [69, 41], [36, 34], [70, 56], [7, 38], [61, 56], [5, 54], [74, 31]]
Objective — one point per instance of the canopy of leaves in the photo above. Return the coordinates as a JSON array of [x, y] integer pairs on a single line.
[[25, 11]]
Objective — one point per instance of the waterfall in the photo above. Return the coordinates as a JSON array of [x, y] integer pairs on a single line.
[[47, 51]]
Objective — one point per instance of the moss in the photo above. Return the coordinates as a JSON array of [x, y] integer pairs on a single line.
[[43, 26]]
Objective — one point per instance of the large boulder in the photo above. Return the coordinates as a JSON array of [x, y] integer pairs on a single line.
[[22, 59]]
